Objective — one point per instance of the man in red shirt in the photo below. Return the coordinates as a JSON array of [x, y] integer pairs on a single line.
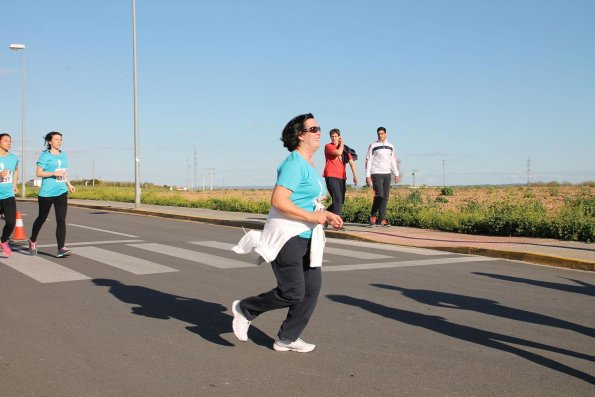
[[334, 171]]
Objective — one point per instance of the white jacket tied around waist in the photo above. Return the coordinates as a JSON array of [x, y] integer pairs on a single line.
[[278, 229]]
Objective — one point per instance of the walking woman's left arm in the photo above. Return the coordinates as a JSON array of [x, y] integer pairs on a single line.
[[70, 186], [15, 180]]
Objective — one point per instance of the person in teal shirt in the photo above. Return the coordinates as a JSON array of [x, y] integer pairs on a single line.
[[52, 167], [9, 175], [296, 192]]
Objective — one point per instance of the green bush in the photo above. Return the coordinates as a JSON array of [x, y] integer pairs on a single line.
[[447, 191], [415, 197], [576, 220]]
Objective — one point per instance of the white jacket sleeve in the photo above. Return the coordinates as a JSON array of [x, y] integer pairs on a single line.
[[369, 161], [393, 163]]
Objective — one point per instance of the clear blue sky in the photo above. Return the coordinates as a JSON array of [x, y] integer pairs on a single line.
[[482, 85]]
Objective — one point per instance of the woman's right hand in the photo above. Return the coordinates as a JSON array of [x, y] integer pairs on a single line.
[[326, 217]]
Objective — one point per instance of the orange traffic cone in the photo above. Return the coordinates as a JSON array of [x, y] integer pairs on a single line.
[[19, 230]]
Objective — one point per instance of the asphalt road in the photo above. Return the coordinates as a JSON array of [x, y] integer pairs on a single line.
[[141, 308]]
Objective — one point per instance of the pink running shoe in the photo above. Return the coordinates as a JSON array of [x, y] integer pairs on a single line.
[[6, 251]]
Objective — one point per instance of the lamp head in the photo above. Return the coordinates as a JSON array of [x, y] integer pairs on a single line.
[[16, 47]]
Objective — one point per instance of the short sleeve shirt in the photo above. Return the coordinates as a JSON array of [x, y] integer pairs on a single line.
[[53, 186], [9, 164], [334, 167], [297, 175]]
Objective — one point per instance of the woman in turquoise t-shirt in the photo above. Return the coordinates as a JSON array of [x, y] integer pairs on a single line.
[[51, 167], [9, 175], [298, 186]]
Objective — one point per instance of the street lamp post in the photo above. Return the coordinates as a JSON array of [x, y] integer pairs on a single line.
[[136, 151], [18, 47]]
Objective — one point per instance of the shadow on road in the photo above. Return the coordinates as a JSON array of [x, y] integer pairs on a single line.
[[486, 306], [208, 318], [581, 288], [473, 335]]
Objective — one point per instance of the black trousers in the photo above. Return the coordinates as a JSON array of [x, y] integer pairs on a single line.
[[9, 207], [381, 185], [298, 286], [60, 207], [336, 188]]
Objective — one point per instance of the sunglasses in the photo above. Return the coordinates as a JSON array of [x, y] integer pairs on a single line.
[[313, 130]]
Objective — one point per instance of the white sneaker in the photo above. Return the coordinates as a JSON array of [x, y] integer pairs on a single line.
[[298, 346], [240, 324]]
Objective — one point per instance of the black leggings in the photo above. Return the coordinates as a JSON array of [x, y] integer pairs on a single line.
[[9, 207], [336, 188], [60, 206], [298, 286]]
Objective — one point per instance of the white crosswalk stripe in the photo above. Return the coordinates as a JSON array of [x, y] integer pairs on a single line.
[[83, 243], [354, 254], [327, 250], [47, 271], [193, 256], [420, 262], [123, 262], [40, 269], [214, 244], [386, 247], [222, 246]]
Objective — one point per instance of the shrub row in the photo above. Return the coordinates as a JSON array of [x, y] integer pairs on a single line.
[[575, 221]]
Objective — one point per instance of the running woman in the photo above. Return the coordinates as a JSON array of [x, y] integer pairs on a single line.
[[9, 174], [51, 167]]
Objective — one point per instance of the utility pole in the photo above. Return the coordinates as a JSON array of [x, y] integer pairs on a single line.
[[528, 170], [413, 174], [195, 179], [187, 180], [93, 183], [443, 173], [137, 191], [211, 173]]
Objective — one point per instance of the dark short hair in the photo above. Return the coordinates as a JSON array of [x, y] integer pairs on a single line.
[[381, 129], [5, 134], [334, 130], [48, 137], [293, 130]]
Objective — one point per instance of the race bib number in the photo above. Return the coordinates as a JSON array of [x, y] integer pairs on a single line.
[[7, 178], [62, 178]]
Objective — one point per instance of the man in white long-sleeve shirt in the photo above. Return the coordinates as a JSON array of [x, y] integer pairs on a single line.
[[381, 163]]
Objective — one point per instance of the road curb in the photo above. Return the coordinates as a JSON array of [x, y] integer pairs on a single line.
[[530, 257]]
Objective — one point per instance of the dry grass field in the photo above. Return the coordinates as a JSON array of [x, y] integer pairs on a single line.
[[551, 197]]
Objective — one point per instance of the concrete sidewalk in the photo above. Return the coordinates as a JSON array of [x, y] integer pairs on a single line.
[[568, 254]]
